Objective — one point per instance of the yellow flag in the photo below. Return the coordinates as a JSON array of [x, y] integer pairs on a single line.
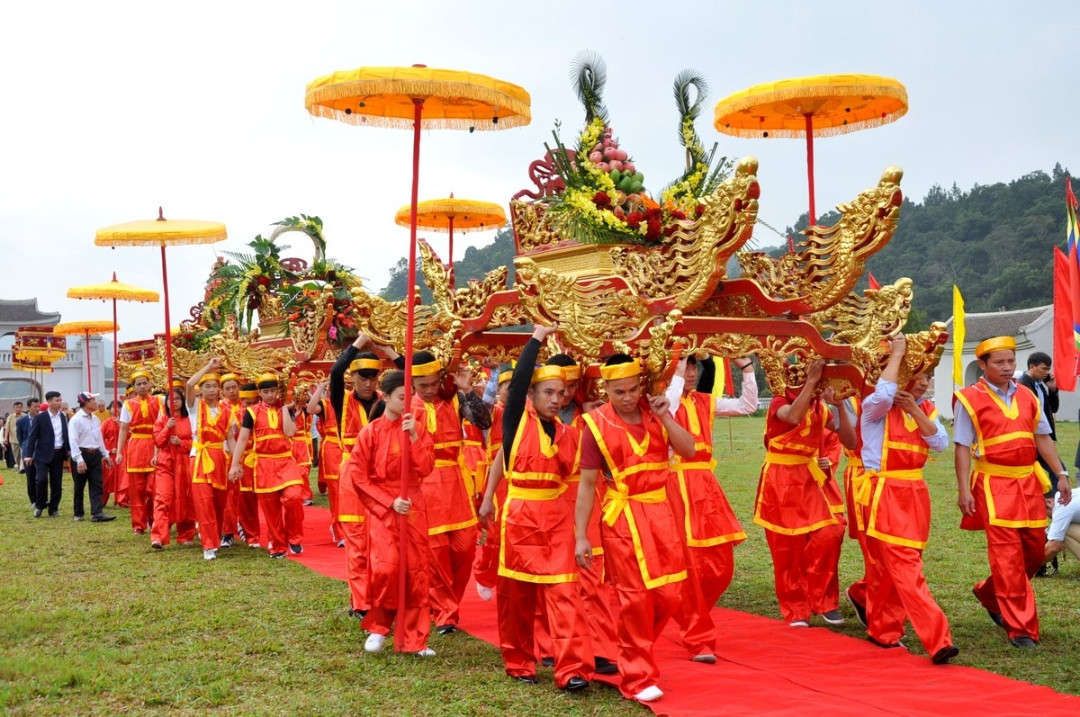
[[958, 337]]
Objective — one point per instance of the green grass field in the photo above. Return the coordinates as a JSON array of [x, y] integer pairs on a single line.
[[93, 622]]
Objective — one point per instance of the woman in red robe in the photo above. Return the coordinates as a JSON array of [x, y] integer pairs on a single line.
[[172, 474]]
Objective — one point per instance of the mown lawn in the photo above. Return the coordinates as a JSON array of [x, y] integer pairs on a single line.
[[93, 622]]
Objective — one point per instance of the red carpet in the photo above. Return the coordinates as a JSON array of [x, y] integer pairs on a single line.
[[767, 668]]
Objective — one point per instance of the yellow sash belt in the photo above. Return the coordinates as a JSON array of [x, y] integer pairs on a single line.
[[1017, 472], [203, 459], [862, 488], [695, 465], [519, 492], [788, 459], [617, 499]]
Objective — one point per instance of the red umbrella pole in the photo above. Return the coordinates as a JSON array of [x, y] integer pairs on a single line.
[[450, 250], [168, 324], [410, 316], [810, 166], [115, 353], [89, 376]]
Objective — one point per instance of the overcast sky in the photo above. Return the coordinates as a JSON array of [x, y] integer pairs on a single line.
[[110, 109]]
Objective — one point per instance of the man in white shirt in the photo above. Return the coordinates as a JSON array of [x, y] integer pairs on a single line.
[[88, 455]]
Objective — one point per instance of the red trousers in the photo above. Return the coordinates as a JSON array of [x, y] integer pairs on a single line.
[[709, 574], [453, 554], [120, 487], [859, 589], [898, 591], [228, 515], [1015, 555], [204, 499], [516, 603], [356, 566], [336, 532], [173, 504], [283, 516], [138, 497], [804, 571], [601, 609], [247, 515], [486, 569], [643, 613]]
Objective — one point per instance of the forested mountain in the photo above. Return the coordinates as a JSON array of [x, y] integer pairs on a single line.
[[993, 241], [473, 265]]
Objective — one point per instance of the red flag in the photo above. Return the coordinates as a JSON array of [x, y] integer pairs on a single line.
[[1064, 345], [874, 283]]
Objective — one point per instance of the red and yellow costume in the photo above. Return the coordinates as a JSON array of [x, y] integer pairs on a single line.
[[643, 557], [856, 521], [114, 477], [474, 461], [172, 482], [242, 502], [708, 524], [137, 455], [830, 538], [897, 528], [374, 471], [451, 512], [277, 479], [331, 455], [1008, 485], [301, 448], [536, 553], [209, 469], [485, 571], [793, 508], [350, 514]]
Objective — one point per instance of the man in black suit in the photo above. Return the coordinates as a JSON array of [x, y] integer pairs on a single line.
[[22, 432], [1038, 379], [47, 450]]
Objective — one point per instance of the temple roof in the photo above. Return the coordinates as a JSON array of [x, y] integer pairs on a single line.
[[999, 323], [24, 312]]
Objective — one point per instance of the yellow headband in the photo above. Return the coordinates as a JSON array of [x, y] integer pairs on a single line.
[[178, 383], [249, 394], [365, 364], [427, 369], [998, 343], [225, 378], [547, 373], [267, 380], [620, 370], [571, 373], [506, 375], [136, 375], [209, 376]]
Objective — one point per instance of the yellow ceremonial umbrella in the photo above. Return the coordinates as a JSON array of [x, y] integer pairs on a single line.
[[35, 349], [821, 105], [162, 232], [114, 291], [85, 329], [446, 215], [416, 97]]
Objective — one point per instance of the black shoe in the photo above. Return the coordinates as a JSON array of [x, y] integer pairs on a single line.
[[886, 645], [995, 616], [575, 684], [450, 630], [227, 542], [37, 512], [527, 679], [54, 513], [358, 614], [1024, 643], [296, 548], [102, 518], [945, 654], [604, 666], [547, 661], [859, 608], [277, 556], [157, 546]]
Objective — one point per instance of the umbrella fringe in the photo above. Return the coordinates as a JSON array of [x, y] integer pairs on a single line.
[[480, 124]]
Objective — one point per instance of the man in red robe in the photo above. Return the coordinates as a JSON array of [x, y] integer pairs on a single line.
[[899, 430], [644, 551], [374, 473], [709, 525], [211, 417], [536, 542], [1000, 431], [277, 477], [135, 446]]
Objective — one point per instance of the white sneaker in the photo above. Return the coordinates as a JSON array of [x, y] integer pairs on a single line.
[[374, 642], [650, 694], [799, 623], [426, 652], [210, 554], [484, 592]]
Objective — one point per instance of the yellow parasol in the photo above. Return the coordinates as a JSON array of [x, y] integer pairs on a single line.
[[821, 105], [114, 291], [416, 97], [85, 329], [162, 232], [446, 215]]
